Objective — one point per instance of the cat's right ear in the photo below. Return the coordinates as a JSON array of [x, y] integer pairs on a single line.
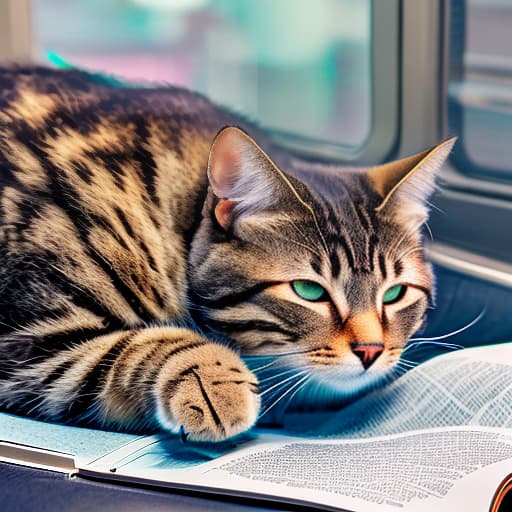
[[242, 177]]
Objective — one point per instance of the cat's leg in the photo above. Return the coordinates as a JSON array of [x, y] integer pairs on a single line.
[[140, 379]]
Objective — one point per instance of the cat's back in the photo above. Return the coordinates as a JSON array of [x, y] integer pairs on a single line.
[[73, 120], [99, 189]]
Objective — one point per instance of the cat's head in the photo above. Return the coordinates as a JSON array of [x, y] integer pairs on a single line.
[[321, 262]]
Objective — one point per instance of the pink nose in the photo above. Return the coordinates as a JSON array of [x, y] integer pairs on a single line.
[[367, 352]]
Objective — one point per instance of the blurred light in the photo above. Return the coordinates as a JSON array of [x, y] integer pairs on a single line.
[[171, 5]]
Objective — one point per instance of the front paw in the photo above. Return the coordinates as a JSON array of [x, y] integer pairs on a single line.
[[211, 395]]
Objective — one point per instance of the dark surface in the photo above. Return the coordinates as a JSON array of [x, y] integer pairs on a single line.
[[460, 299], [25, 489]]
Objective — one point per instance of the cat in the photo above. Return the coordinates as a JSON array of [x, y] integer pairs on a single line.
[[152, 243]]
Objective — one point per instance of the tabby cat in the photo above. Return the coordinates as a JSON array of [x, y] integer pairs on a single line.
[[150, 240]]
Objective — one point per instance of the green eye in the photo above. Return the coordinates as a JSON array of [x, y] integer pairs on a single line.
[[309, 290], [394, 294]]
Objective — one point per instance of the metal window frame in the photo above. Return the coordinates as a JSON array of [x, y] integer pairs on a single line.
[[15, 31], [472, 217]]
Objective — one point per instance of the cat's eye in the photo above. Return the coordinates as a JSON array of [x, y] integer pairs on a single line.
[[309, 290], [394, 294]]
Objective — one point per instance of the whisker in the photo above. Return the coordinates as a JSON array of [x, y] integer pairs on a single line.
[[263, 367], [453, 333], [400, 370], [282, 382], [291, 388], [290, 398], [281, 354], [406, 364], [272, 377], [449, 346], [408, 361], [429, 231], [405, 253]]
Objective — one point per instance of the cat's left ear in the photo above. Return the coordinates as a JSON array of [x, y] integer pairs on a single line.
[[405, 185], [243, 178]]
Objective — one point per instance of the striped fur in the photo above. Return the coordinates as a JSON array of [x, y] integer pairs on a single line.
[[130, 284]]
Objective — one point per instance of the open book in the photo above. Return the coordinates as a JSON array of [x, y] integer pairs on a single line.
[[439, 438]]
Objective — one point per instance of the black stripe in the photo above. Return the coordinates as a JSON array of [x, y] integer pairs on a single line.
[[124, 221], [316, 264], [68, 200], [335, 264], [382, 265], [144, 156], [212, 410], [83, 172], [158, 297], [290, 313], [46, 344], [174, 352], [232, 299], [348, 252], [81, 297], [170, 385], [372, 245], [151, 260], [398, 267], [140, 368], [361, 215], [249, 325], [57, 372], [94, 380]]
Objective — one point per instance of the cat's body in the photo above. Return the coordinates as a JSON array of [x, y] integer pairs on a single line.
[[112, 235]]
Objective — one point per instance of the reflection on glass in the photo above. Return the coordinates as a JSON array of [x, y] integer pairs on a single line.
[[294, 65], [483, 94]]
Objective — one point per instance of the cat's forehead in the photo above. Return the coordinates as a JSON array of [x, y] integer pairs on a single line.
[[357, 240], [337, 188]]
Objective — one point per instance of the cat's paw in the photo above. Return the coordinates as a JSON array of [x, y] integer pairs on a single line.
[[210, 394]]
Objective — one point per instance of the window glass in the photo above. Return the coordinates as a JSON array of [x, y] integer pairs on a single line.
[[481, 86], [295, 65]]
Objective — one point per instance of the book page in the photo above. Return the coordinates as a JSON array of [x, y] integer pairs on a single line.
[[423, 470], [467, 387]]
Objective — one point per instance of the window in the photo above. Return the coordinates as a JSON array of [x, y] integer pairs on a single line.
[[480, 90], [308, 74]]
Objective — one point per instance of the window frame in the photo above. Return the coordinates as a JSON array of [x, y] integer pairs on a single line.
[[460, 158], [15, 31], [487, 240]]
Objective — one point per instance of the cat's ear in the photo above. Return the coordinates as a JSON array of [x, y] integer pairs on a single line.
[[405, 185], [242, 177]]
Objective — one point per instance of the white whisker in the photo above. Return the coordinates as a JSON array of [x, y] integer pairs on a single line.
[[429, 231], [262, 367], [291, 388], [450, 346], [282, 382], [453, 333], [272, 377]]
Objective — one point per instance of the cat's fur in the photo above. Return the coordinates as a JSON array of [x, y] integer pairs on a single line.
[[130, 280]]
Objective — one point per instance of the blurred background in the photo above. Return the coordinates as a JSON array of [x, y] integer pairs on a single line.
[[354, 81], [311, 72]]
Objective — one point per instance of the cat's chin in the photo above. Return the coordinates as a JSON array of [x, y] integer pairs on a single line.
[[337, 387]]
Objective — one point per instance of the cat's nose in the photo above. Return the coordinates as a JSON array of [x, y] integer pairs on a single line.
[[367, 352]]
